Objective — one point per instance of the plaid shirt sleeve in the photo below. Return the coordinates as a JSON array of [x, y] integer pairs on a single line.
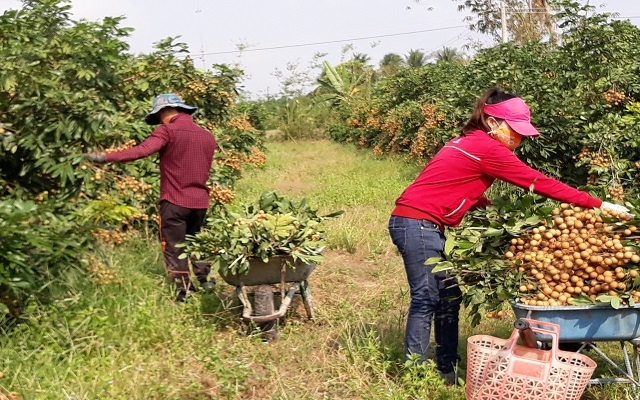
[[153, 144]]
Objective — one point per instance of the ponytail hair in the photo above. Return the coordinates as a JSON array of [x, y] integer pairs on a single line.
[[478, 119]]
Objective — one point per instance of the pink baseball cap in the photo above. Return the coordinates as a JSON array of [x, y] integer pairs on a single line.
[[516, 112]]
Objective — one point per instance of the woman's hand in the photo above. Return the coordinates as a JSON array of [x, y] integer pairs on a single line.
[[620, 209]]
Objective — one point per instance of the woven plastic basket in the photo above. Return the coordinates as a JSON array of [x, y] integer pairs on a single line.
[[502, 369]]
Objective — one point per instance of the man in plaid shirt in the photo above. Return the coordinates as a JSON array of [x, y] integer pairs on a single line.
[[186, 154]]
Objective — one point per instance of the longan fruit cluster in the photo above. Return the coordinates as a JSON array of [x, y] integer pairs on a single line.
[[391, 125], [353, 122], [42, 196], [256, 157], [241, 122], [111, 236], [578, 254], [102, 274], [600, 161], [595, 158], [373, 121], [196, 88], [126, 145], [617, 193], [127, 185], [431, 115], [418, 145], [221, 195], [585, 152], [614, 97], [98, 176], [233, 161]]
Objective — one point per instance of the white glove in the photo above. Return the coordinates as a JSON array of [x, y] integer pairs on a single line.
[[620, 209], [614, 207]]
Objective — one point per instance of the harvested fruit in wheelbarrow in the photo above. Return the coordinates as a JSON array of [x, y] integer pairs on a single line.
[[583, 253]]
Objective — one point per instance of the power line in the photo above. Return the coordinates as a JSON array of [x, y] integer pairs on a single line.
[[326, 42], [202, 54]]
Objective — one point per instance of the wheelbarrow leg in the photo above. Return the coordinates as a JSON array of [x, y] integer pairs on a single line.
[[305, 293]]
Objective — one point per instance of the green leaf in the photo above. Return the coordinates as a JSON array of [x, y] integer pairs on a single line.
[[432, 260], [615, 302], [449, 244], [442, 266], [494, 232], [581, 300], [533, 220], [8, 82]]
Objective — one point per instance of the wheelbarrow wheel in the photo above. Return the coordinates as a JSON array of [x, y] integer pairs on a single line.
[[264, 305]]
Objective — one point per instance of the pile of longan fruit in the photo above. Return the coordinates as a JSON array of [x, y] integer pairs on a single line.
[[579, 253]]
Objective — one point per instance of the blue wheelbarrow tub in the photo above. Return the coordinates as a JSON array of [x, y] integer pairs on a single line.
[[586, 323]]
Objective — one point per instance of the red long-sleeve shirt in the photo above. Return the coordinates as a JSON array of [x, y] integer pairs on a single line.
[[186, 154], [456, 178]]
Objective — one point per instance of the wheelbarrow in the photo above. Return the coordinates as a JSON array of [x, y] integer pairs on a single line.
[[291, 277], [586, 325]]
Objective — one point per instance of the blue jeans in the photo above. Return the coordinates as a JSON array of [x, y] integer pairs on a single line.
[[434, 297]]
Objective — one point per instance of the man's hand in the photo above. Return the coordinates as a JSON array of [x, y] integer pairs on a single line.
[[98, 158]]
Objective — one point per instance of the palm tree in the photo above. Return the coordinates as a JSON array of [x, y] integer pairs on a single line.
[[390, 64], [448, 54], [361, 58], [416, 59]]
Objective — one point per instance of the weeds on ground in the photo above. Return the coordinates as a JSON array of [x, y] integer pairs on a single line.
[[129, 340]]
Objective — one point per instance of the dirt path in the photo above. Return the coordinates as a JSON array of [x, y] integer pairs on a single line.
[[360, 284]]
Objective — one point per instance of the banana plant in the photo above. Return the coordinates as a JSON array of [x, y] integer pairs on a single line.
[[345, 81]]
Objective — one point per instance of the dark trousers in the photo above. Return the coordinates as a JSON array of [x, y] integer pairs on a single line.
[[175, 223]]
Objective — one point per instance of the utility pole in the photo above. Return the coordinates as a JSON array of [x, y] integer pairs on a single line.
[[503, 20]]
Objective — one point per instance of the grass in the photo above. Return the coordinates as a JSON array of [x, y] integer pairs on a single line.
[[131, 341]]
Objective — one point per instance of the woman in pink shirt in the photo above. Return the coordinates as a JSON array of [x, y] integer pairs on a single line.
[[451, 184]]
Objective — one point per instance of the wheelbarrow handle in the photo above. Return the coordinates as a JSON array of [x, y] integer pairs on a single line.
[[524, 328]]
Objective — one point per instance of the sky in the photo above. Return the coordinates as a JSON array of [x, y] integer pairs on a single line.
[[282, 34]]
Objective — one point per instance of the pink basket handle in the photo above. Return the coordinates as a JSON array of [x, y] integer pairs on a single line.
[[541, 327]]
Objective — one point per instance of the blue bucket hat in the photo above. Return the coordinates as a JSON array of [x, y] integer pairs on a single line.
[[163, 101]]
